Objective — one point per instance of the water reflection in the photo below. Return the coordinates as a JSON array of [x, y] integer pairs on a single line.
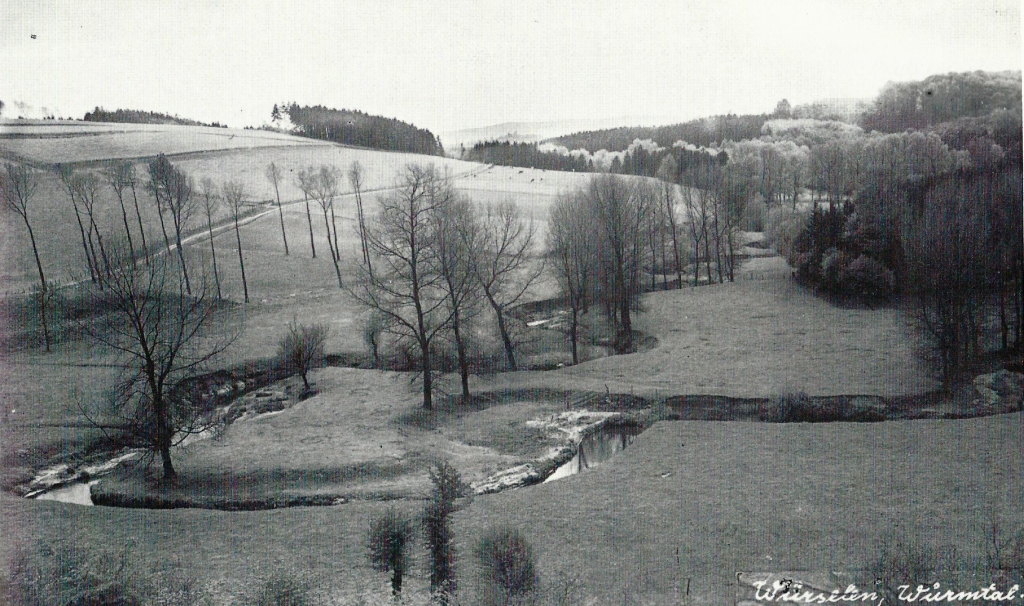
[[597, 448]]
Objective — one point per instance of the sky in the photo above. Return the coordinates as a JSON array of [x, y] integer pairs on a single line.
[[451, 65]]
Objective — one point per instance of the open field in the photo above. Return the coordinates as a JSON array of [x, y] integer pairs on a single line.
[[724, 496], [729, 496]]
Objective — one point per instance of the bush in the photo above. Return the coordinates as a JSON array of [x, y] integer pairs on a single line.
[[508, 565], [388, 540], [782, 228], [869, 279], [67, 575], [448, 486], [755, 216], [900, 561], [281, 590], [302, 349]]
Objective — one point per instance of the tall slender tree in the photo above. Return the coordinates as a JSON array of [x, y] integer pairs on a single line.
[[571, 241], [355, 179], [209, 200], [273, 174], [114, 174], [67, 177], [305, 180], [325, 190], [18, 184], [234, 196]]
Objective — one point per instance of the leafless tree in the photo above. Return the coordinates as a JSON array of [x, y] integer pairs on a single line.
[[668, 172], [453, 216], [87, 189], [620, 214], [325, 183], [209, 200], [699, 203], [302, 348], [127, 172], [174, 191], [273, 174], [159, 174], [405, 285], [234, 196], [571, 243], [18, 185], [68, 179], [115, 175], [355, 179], [305, 180], [160, 336], [502, 259]]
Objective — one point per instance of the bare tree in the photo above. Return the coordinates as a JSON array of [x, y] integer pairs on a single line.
[[405, 285], [501, 261], [302, 349], [209, 200], [234, 196], [620, 211], [18, 185], [273, 174], [453, 216], [572, 244], [324, 190], [127, 171], [306, 182], [87, 189], [668, 172], [159, 173], [355, 179], [68, 179], [117, 179], [161, 336]]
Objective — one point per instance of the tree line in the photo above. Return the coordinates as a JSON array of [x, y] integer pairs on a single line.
[[353, 127], [528, 155], [134, 116]]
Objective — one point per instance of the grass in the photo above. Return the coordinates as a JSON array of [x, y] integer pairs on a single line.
[[728, 496]]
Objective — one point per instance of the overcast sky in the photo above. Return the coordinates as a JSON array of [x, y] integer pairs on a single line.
[[447, 65]]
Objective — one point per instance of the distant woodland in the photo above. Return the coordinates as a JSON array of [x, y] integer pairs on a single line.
[[133, 116], [352, 127]]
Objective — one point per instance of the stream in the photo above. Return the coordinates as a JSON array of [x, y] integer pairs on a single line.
[[596, 448]]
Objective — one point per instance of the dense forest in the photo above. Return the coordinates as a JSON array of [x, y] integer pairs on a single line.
[[704, 132], [132, 116], [527, 155], [352, 127]]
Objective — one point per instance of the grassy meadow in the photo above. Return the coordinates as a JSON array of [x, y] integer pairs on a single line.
[[688, 504]]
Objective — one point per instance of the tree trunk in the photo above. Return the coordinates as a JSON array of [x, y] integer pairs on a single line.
[[42, 287], [337, 249], [574, 335], [428, 391], [95, 260], [213, 254], [127, 230], [181, 258], [85, 244], [460, 346], [142, 232], [309, 218], [396, 579], [280, 212], [241, 261], [506, 339], [334, 257], [625, 340]]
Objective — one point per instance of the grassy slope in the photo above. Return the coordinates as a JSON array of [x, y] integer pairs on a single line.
[[730, 496]]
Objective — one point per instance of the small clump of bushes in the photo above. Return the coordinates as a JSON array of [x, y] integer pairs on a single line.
[[801, 408], [844, 256]]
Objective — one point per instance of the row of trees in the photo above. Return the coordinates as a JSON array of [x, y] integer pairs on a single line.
[[433, 258]]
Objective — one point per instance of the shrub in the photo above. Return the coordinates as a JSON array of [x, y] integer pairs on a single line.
[[65, 574], [302, 349], [448, 486], [388, 540], [901, 561], [282, 590], [869, 279], [755, 216], [782, 228], [508, 565]]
